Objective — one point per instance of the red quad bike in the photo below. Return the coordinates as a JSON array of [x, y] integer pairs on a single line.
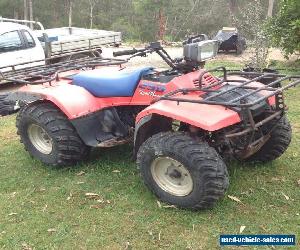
[[184, 121]]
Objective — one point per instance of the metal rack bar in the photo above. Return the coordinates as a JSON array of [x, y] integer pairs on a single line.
[[257, 125], [239, 101], [2, 19], [48, 73], [236, 87], [260, 89]]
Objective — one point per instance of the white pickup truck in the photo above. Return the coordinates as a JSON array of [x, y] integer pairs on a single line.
[[22, 47]]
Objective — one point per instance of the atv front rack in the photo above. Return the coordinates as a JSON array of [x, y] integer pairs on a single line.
[[50, 73], [212, 94], [235, 85]]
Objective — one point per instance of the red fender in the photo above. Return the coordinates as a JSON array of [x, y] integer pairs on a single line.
[[207, 117], [72, 100]]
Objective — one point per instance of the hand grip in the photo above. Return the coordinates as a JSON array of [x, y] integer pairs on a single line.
[[125, 52]]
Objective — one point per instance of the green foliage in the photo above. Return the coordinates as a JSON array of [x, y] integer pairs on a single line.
[[251, 21], [137, 19], [284, 28], [10, 8]]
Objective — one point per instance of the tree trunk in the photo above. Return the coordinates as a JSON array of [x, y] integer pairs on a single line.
[[162, 25], [16, 14], [232, 10], [25, 10], [92, 5], [30, 12], [70, 12], [270, 8], [55, 13]]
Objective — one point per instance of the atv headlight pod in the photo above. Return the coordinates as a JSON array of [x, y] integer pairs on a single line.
[[200, 51]]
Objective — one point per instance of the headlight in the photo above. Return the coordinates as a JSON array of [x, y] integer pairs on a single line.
[[200, 51]]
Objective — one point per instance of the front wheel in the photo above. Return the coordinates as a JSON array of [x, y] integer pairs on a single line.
[[49, 136], [182, 171]]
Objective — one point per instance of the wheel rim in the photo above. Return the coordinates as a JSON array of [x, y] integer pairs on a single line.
[[40, 139], [171, 176]]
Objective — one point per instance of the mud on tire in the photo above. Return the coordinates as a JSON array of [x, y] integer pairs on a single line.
[[277, 144], [206, 169], [67, 148]]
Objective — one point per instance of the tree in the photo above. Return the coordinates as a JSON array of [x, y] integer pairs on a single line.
[[232, 10], [30, 12], [162, 24], [55, 15], [146, 20], [151, 17], [252, 21], [25, 10], [193, 4], [70, 12], [284, 28], [92, 4], [270, 8]]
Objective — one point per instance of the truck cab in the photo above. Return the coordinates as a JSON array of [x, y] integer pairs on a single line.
[[22, 47], [19, 45]]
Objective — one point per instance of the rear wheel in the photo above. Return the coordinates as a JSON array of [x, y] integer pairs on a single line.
[[49, 136], [6, 107], [182, 171], [277, 144]]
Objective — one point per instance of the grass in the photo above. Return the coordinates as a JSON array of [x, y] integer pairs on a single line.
[[46, 208]]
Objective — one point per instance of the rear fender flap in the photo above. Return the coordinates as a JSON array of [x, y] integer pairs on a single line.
[[72, 100], [207, 117]]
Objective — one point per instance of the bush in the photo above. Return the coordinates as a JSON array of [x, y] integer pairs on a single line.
[[284, 28]]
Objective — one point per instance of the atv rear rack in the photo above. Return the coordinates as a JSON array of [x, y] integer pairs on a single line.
[[239, 102], [49, 73]]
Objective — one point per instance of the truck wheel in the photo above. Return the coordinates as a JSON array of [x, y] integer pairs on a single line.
[[277, 144], [49, 136], [182, 171]]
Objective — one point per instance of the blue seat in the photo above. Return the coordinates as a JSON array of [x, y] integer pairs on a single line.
[[110, 82]]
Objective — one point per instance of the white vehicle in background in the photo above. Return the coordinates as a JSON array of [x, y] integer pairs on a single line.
[[22, 47], [18, 45]]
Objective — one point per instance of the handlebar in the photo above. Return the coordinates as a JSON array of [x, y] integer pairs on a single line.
[[125, 52], [153, 47]]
